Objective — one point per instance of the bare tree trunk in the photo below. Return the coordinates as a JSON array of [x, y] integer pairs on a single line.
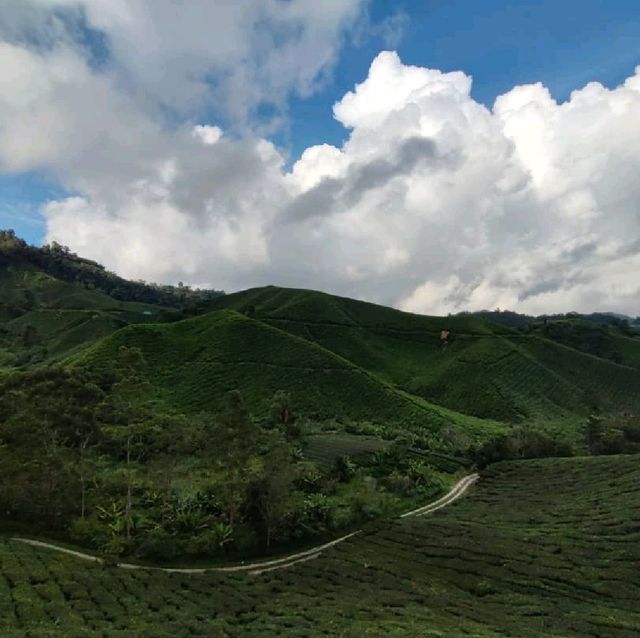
[[51, 450], [128, 506], [83, 476]]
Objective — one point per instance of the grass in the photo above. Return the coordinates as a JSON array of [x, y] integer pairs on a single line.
[[537, 548]]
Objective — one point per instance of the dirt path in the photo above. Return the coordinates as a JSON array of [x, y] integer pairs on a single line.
[[262, 567], [455, 493]]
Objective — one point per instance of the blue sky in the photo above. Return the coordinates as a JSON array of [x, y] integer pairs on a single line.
[[562, 43]]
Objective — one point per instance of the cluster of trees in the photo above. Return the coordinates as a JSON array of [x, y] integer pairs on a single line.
[[83, 457], [619, 434], [521, 443], [60, 262]]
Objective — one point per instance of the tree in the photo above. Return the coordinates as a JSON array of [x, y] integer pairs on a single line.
[[130, 386], [83, 471], [239, 442], [595, 431], [272, 490], [282, 413]]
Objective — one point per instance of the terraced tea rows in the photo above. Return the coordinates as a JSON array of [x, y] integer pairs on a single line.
[[487, 371], [537, 548], [192, 364], [324, 449]]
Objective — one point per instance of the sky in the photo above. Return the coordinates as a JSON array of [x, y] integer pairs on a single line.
[[432, 155]]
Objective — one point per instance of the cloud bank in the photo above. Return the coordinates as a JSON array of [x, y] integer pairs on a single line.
[[435, 203]]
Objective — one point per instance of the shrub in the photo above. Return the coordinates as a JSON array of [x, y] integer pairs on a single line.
[[619, 434], [159, 544], [521, 444]]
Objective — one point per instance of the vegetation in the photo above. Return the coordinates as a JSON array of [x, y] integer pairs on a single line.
[[192, 364], [540, 548], [522, 443], [619, 434], [491, 372], [187, 427], [83, 457], [60, 263]]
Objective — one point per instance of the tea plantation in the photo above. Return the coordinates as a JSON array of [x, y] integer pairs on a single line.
[[537, 548], [488, 371]]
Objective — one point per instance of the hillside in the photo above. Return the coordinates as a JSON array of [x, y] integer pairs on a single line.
[[536, 549], [53, 302], [194, 363], [274, 416], [338, 358], [488, 371], [43, 318], [59, 262]]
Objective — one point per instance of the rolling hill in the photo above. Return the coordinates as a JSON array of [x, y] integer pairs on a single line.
[[338, 358], [43, 319], [193, 364], [121, 431], [53, 302], [487, 371]]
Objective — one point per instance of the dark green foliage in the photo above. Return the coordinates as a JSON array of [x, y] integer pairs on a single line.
[[58, 262], [283, 414], [523, 443], [85, 455], [537, 549], [618, 434]]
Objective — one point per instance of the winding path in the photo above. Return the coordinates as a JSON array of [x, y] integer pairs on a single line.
[[262, 567]]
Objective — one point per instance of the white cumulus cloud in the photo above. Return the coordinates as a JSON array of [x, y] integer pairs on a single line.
[[435, 203]]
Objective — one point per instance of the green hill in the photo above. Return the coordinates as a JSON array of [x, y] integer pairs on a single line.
[[43, 318], [53, 302], [271, 415], [488, 371], [337, 357], [194, 363]]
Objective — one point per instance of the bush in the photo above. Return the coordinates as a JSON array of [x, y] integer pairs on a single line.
[[159, 544], [616, 435], [398, 483], [521, 444], [89, 531], [344, 469]]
